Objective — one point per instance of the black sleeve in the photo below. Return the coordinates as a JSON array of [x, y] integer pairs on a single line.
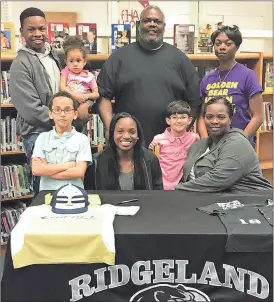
[[62, 59], [192, 82], [89, 180], [106, 79], [157, 181]]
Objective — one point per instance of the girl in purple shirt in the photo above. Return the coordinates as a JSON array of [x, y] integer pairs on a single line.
[[236, 82]]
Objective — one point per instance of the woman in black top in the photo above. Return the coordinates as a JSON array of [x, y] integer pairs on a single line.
[[125, 164]]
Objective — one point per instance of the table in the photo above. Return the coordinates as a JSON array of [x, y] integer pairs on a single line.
[[168, 251]]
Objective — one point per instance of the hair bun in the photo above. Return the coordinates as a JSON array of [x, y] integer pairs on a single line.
[[72, 41]]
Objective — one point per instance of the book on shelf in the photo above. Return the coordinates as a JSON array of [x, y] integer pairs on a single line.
[[120, 35], [137, 24], [268, 77], [8, 46], [183, 37], [208, 70], [10, 141], [95, 72], [5, 94], [87, 32], [10, 215], [96, 131], [14, 181], [205, 44], [57, 32], [267, 110]]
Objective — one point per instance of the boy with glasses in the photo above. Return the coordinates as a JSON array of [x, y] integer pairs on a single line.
[[61, 155], [174, 143]]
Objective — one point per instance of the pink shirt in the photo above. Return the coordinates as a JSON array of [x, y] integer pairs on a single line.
[[82, 83], [173, 153]]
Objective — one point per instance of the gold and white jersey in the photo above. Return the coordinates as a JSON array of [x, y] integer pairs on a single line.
[[43, 237]]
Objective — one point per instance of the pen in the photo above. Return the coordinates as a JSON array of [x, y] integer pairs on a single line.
[[126, 201]]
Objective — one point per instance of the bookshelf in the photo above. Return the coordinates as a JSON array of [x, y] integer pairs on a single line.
[[11, 153], [264, 146], [16, 198], [13, 174], [6, 106]]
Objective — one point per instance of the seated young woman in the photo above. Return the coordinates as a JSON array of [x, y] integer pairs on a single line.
[[124, 164], [225, 161]]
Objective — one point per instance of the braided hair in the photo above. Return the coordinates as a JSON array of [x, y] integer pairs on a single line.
[[220, 100]]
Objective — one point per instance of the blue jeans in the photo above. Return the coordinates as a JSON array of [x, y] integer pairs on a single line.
[[28, 145]]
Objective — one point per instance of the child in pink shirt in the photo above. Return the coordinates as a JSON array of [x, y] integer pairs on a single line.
[[174, 143], [80, 83]]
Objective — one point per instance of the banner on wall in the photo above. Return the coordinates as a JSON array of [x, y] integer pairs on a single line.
[[129, 11]]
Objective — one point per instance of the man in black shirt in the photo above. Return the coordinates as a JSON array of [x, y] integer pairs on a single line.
[[145, 76]]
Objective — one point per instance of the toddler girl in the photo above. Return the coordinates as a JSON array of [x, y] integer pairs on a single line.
[[80, 83]]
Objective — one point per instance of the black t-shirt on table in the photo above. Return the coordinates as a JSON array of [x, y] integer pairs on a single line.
[[144, 82]]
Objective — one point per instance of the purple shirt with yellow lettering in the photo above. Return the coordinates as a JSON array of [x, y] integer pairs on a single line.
[[238, 85]]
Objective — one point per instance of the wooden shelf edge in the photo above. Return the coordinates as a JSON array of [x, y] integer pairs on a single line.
[[212, 57], [7, 58], [268, 56], [98, 57], [268, 91], [11, 152], [266, 164], [196, 56], [16, 198], [6, 106], [4, 244], [265, 131]]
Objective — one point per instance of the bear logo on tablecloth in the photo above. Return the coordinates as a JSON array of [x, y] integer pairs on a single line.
[[169, 293]]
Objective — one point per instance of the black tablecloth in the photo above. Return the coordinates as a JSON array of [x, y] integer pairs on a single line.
[[168, 251]]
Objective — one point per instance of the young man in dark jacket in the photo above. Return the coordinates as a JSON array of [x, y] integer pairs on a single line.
[[34, 78]]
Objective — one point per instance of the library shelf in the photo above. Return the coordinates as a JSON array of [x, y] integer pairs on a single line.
[[16, 198], [266, 164], [12, 152], [8, 105]]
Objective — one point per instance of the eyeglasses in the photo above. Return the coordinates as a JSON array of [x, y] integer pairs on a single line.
[[177, 117], [59, 110]]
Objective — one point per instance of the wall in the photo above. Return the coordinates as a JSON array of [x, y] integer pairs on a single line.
[[254, 18]]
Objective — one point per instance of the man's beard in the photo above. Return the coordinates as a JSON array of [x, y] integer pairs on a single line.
[[157, 41]]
